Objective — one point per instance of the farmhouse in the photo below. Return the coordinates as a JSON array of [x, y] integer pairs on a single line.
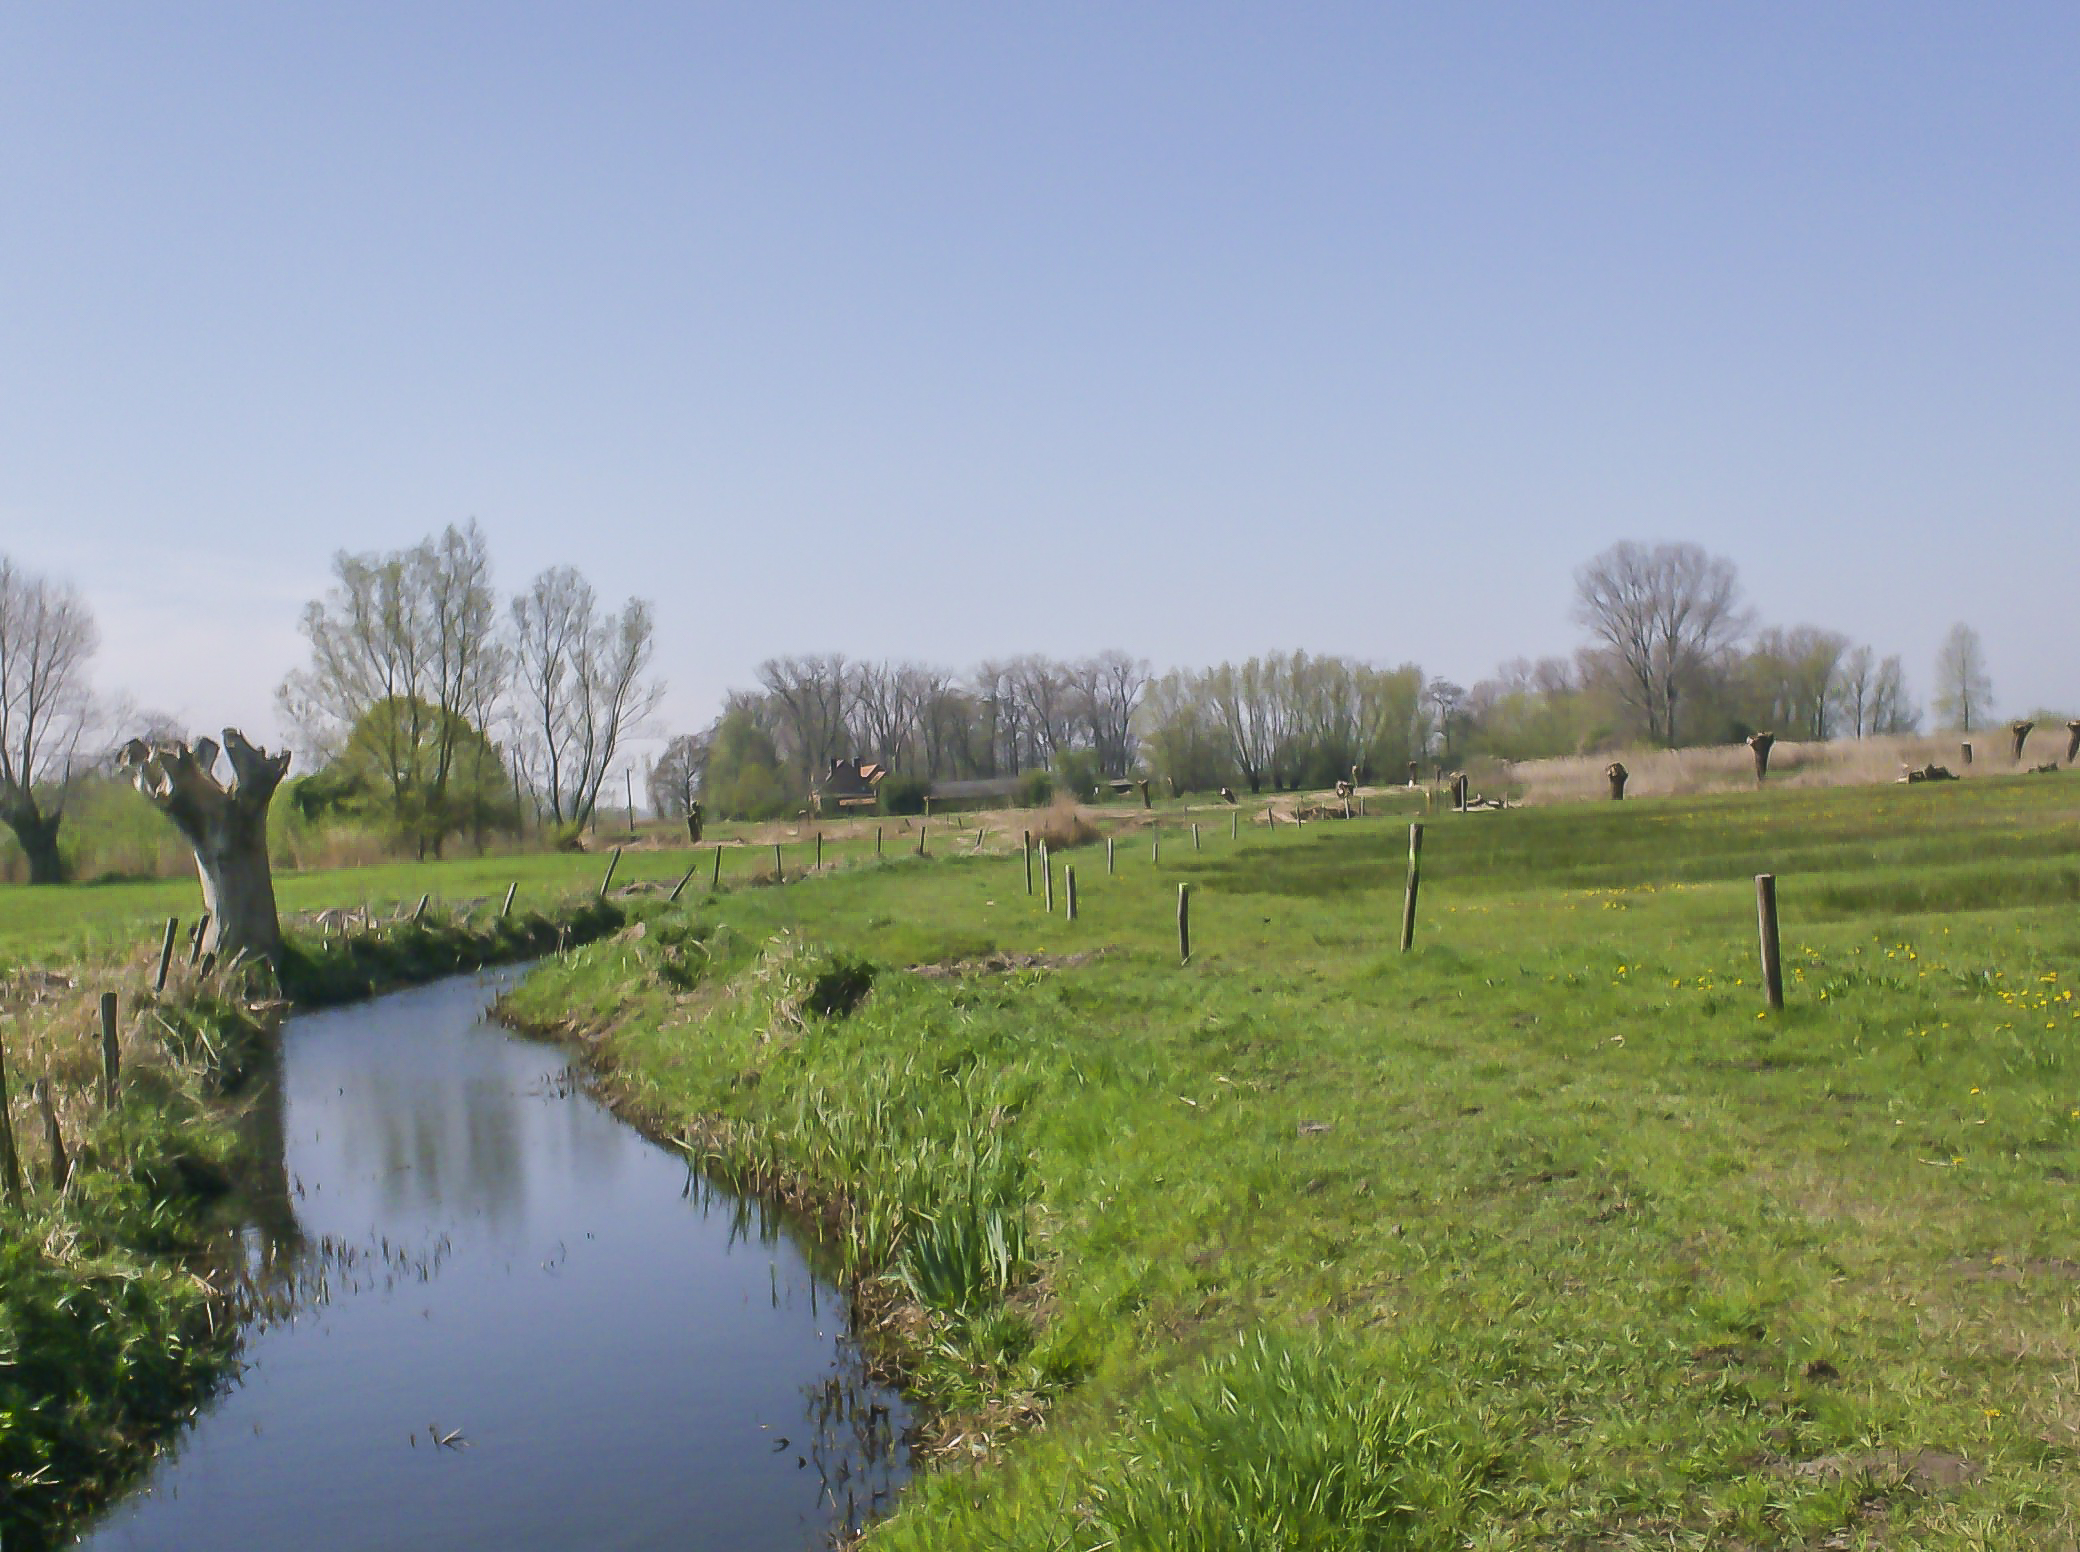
[[853, 783]]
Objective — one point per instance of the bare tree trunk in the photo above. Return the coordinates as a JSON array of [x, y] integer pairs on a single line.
[[226, 826], [38, 834], [1761, 744]]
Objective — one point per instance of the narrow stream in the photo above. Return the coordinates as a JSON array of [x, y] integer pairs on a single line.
[[619, 1357]]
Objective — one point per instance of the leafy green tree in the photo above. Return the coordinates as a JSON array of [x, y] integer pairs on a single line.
[[742, 778]]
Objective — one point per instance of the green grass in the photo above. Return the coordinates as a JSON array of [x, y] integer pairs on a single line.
[[1543, 1235]]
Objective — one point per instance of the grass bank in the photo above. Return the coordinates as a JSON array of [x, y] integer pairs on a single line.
[[1544, 1234], [118, 1313]]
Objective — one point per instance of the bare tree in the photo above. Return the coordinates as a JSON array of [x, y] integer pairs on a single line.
[[581, 688], [1892, 708], [1858, 678], [1964, 693], [1661, 614], [47, 639], [885, 701], [812, 703], [1107, 689], [674, 782], [404, 653]]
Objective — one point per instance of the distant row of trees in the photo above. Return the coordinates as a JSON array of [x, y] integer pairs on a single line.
[[1673, 656], [434, 707]]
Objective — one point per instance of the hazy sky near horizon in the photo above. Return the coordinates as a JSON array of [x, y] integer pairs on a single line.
[[947, 332]]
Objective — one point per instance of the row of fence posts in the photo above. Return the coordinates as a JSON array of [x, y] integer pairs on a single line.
[[46, 1105], [111, 1047]]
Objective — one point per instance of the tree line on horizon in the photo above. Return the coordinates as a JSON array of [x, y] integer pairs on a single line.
[[431, 707], [1673, 657]]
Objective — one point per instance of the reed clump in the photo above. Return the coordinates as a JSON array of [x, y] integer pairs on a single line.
[[1062, 824]]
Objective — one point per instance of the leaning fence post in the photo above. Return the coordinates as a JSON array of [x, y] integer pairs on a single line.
[[53, 1138], [1415, 881], [680, 887], [1047, 877], [1766, 924], [922, 827], [715, 879], [10, 1161], [613, 862], [202, 932], [506, 910], [419, 911], [111, 1052], [1184, 924], [173, 927], [1068, 894]]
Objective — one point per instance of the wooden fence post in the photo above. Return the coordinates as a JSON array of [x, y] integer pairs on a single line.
[[53, 1138], [613, 862], [685, 879], [877, 840], [1766, 924], [1027, 842], [1415, 881], [779, 872], [1047, 877], [10, 1161], [173, 927], [819, 848], [1195, 837], [202, 932], [1234, 824], [1069, 894], [1108, 856], [419, 911], [1184, 924], [111, 1051], [506, 910], [715, 879], [921, 829]]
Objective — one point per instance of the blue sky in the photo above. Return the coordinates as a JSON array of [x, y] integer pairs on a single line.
[[950, 332]]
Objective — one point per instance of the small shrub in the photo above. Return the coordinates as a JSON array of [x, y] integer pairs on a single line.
[[903, 794], [1076, 773], [1035, 789]]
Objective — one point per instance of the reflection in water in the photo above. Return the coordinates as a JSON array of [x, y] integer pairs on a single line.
[[490, 1315]]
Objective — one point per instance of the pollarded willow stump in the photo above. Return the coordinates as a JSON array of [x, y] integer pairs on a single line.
[[2020, 732], [226, 825], [1616, 775], [2072, 742], [1760, 744]]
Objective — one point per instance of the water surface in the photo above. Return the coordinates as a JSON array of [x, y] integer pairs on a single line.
[[631, 1361]]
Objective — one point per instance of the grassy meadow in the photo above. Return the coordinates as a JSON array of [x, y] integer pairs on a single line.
[[1545, 1234]]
